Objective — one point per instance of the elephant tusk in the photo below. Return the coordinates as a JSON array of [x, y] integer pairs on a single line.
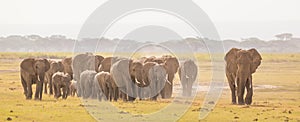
[[187, 76], [137, 82], [39, 78], [168, 82]]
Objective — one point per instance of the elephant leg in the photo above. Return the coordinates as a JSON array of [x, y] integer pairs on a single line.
[[124, 96], [139, 93], [240, 91], [45, 91], [84, 94], [133, 91], [162, 93], [168, 91], [105, 93], [169, 87], [184, 87], [55, 91], [64, 96], [41, 90], [153, 90], [189, 88], [79, 91], [231, 83], [29, 93], [37, 90], [110, 93], [116, 94], [50, 86], [24, 86], [248, 99], [58, 92]]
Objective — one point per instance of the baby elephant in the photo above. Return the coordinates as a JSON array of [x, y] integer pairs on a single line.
[[73, 88], [105, 87], [60, 81]]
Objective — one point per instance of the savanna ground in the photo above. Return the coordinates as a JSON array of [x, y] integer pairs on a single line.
[[280, 103]]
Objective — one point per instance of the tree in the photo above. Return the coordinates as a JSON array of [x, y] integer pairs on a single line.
[[284, 36]]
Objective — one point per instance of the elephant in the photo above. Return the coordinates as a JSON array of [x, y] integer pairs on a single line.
[[86, 84], [55, 66], [98, 61], [154, 59], [32, 70], [107, 63], [145, 91], [105, 86], [86, 61], [187, 74], [136, 75], [171, 65], [62, 81], [240, 65], [67, 63], [73, 88], [157, 77], [120, 74]]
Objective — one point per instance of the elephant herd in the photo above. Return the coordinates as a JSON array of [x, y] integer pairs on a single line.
[[112, 78], [107, 78], [58, 74]]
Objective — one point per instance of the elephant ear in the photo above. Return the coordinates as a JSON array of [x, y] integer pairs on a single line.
[[27, 65], [256, 59], [231, 59], [47, 65]]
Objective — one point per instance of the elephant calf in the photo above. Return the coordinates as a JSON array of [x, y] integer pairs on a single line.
[[55, 66], [61, 80], [105, 85], [86, 84], [73, 88]]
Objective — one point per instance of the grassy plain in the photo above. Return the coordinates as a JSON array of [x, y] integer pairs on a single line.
[[281, 103]]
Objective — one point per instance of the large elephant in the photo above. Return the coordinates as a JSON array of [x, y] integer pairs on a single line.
[[86, 84], [157, 77], [240, 65], [55, 66], [86, 61], [136, 75], [67, 63], [33, 71], [144, 91], [62, 81], [171, 65], [105, 86], [120, 74], [187, 73]]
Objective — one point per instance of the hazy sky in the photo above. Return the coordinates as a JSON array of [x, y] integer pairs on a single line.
[[234, 19]]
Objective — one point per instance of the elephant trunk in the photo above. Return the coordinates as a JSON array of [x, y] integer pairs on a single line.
[[39, 87]]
